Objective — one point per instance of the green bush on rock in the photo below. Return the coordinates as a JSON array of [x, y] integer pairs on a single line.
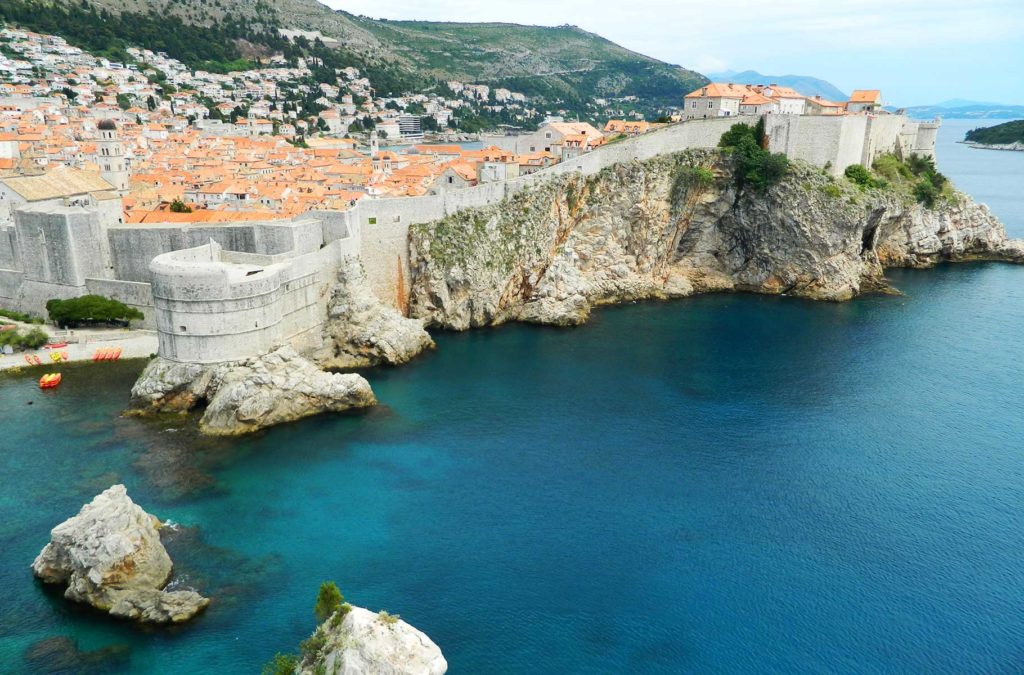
[[757, 167], [281, 664], [328, 601]]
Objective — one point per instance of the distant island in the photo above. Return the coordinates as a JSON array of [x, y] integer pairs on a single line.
[[1006, 136]]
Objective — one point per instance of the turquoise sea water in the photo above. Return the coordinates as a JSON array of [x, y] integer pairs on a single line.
[[723, 484]]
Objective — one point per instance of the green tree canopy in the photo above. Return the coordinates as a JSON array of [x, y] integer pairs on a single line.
[[90, 309], [328, 601]]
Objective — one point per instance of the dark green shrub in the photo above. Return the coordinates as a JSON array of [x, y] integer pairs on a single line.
[[926, 192], [312, 645], [857, 174], [920, 165], [32, 339], [328, 601], [35, 338], [90, 309], [756, 166], [281, 664], [20, 316], [891, 168]]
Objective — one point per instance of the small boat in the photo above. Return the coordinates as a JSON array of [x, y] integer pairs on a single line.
[[49, 381], [33, 360], [55, 356], [64, 355], [117, 353], [55, 345]]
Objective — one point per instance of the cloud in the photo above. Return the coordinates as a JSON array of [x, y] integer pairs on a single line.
[[710, 64]]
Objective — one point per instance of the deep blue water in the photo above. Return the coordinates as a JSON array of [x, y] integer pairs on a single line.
[[724, 484]]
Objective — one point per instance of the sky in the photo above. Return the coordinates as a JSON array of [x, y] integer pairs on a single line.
[[917, 52]]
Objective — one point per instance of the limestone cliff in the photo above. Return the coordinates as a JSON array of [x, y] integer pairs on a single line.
[[245, 396], [362, 331], [674, 226], [110, 556]]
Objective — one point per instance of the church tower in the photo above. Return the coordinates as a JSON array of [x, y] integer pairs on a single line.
[[374, 144], [110, 156]]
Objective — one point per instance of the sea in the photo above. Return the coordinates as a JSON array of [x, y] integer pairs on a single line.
[[721, 484]]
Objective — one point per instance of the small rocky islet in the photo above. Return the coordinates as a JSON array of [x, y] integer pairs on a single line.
[[110, 556]]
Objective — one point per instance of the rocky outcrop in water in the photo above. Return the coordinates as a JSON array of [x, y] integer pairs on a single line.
[[245, 396], [364, 643], [110, 556], [677, 225], [363, 331]]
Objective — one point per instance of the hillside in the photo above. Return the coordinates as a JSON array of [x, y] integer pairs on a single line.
[[1001, 134], [561, 65], [805, 84], [562, 62]]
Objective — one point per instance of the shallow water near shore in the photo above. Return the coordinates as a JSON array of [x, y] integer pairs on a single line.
[[719, 484]]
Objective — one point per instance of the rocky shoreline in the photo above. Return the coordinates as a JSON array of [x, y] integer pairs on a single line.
[[676, 226], [669, 227], [1017, 147]]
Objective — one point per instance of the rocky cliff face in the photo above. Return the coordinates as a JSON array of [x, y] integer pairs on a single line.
[[245, 396], [110, 557], [362, 331], [364, 643], [674, 226]]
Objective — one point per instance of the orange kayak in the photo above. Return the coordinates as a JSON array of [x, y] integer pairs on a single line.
[[49, 381]]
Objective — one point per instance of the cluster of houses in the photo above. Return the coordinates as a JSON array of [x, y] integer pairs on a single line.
[[277, 98], [720, 99], [191, 146]]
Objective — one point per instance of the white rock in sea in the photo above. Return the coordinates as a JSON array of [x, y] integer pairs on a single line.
[[110, 556], [364, 643], [248, 395]]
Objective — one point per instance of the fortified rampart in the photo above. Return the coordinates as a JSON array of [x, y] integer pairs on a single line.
[[213, 305], [228, 291]]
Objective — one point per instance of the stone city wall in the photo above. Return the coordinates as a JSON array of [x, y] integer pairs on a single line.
[[132, 293]]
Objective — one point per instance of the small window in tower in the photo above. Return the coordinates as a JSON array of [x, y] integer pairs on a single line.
[[182, 329]]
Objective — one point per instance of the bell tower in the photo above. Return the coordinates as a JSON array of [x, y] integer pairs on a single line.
[[110, 156]]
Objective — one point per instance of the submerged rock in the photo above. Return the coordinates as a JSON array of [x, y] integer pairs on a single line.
[[364, 643], [246, 396], [363, 331], [110, 556], [61, 654]]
